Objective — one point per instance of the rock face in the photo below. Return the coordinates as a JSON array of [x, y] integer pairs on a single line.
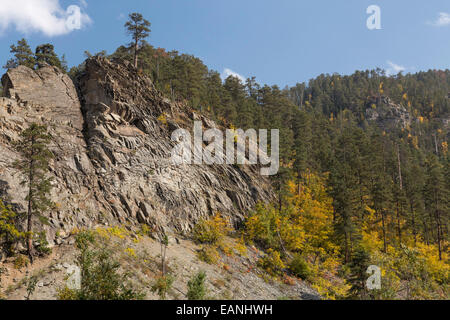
[[112, 149], [387, 114], [48, 96]]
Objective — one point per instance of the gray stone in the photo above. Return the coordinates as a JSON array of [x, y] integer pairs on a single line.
[[112, 154]]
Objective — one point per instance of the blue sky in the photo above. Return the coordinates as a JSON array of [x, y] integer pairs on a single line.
[[277, 41]]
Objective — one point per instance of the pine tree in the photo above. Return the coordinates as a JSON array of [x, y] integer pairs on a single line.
[[399, 195], [45, 54], [358, 276], [436, 198], [343, 182], [139, 29], [33, 146], [64, 65], [23, 56], [358, 268], [302, 144], [414, 183]]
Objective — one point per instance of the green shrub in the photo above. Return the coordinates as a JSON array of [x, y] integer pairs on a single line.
[[262, 226], [145, 231], [43, 248], [100, 277], [20, 262], [272, 263], [67, 294], [299, 267], [163, 285], [196, 287], [209, 255], [84, 239]]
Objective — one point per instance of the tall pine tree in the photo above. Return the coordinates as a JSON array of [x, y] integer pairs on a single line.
[[139, 29], [23, 56], [34, 165]]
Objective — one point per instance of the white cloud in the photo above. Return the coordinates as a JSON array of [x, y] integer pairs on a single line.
[[442, 21], [394, 68], [45, 16], [228, 72]]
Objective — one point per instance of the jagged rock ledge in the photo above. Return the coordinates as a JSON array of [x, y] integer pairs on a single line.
[[111, 152]]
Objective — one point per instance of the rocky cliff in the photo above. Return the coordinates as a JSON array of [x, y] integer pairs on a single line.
[[387, 114], [111, 140]]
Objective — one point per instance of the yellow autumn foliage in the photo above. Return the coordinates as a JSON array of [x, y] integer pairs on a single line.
[[304, 226], [211, 231], [313, 214], [163, 119]]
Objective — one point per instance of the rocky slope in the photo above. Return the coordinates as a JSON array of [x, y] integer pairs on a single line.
[[234, 277], [111, 140]]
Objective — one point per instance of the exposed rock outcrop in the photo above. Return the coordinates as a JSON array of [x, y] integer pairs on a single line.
[[387, 114], [49, 96], [112, 149]]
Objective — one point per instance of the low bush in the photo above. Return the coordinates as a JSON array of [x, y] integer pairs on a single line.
[[21, 261], [196, 287], [100, 277], [272, 263], [163, 285], [42, 248], [211, 231], [299, 267], [209, 254], [9, 232]]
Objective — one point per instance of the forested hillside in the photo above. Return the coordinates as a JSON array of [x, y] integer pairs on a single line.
[[365, 174], [382, 185]]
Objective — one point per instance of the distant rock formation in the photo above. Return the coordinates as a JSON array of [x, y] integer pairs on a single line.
[[387, 114]]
